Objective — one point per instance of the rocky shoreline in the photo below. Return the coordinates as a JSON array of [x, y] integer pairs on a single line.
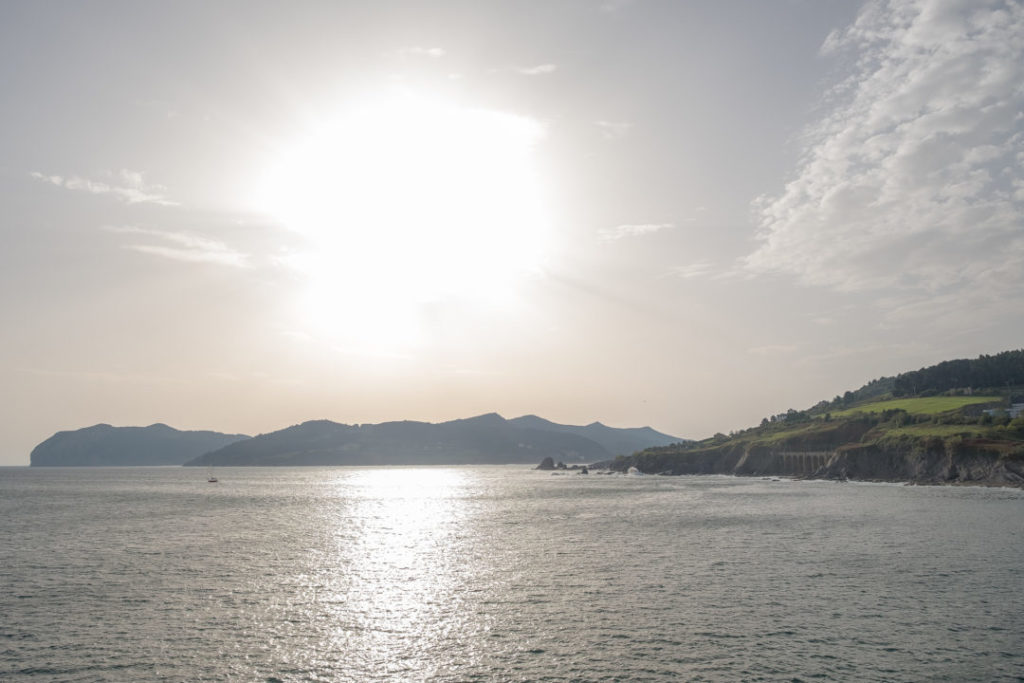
[[933, 462]]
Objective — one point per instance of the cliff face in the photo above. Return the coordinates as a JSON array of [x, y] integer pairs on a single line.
[[938, 462], [921, 461]]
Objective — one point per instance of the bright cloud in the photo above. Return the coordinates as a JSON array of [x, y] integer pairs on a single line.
[[183, 246], [128, 186], [914, 179], [693, 270], [432, 52], [633, 230], [614, 129], [539, 70]]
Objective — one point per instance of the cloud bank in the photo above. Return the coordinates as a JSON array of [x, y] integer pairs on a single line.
[[913, 180], [632, 230], [128, 186]]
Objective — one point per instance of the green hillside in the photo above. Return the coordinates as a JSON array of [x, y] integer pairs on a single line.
[[966, 434], [931, 405]]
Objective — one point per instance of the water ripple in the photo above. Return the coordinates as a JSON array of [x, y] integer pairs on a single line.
[[501, 574]]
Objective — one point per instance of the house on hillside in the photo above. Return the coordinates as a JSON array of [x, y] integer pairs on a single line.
[[1013, 411]]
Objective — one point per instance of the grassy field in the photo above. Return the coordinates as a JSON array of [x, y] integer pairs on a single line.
[[928, 429], [775, 437], [932, 405]]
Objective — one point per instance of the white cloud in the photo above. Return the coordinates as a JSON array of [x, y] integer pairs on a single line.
[[539, 70], [693, 270], [614, 129], [432, 52], [128, 186], [183, 246], [913, 179], [633, 230]]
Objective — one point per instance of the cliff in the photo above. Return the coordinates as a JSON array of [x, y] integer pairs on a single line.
[[861, 447]]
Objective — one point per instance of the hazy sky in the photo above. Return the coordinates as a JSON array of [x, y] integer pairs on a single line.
[[683, 214]]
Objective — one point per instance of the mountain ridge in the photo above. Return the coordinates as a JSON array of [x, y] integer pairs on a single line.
[[488, 438], [103, 445], [485, 438]]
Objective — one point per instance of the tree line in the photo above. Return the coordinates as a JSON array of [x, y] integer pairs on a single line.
[[1002, 370]]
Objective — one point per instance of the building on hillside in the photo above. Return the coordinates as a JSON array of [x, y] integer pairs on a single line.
[[1014, 411]]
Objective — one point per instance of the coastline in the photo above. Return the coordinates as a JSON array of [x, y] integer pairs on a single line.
[[942, 464]]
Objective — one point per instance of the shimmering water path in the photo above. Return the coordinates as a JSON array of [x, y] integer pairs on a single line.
[[501, 573]]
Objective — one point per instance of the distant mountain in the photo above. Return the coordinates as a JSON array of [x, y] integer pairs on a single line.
[[485, 439], [104, 445], [617, 441]]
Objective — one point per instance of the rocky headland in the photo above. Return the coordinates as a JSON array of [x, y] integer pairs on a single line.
[[917, 461], [105, 446], [957, 422]]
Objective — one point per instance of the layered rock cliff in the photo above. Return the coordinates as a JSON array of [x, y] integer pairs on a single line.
[[851, 449]]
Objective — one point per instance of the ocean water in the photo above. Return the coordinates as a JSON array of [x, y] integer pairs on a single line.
[[502, 574]]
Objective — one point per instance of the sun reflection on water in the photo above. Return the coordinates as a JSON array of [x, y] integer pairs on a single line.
[[395, 586]]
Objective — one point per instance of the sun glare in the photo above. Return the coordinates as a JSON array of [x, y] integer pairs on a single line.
[[405, 201]]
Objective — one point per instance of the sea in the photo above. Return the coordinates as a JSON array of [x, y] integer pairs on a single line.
[[502, 573]]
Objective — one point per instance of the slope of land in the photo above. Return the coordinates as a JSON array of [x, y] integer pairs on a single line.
[[966, 435], [616, 440], [485, 439], [104, 445], [932, 405]]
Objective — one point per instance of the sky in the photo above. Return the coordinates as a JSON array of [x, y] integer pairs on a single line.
[[690, 215]]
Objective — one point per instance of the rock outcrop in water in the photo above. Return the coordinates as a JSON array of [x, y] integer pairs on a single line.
[[104, 445], [546, 464], [485, 439]]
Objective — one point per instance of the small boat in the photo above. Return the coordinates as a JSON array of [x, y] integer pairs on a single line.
[[633, 471], [210, 477]]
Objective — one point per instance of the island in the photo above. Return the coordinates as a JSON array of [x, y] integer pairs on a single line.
[[104, 445]]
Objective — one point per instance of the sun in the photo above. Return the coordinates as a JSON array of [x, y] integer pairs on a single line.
[[406, 201]]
